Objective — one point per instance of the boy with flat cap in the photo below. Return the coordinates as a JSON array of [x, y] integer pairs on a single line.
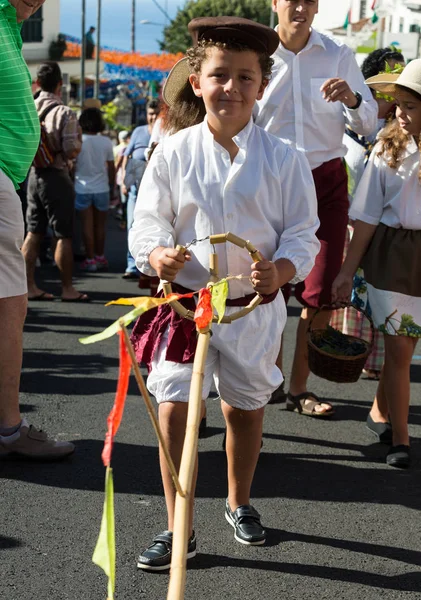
[[216, 174], [315, 90]]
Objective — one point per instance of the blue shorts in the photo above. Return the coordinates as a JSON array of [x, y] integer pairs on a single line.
[[99, 201]]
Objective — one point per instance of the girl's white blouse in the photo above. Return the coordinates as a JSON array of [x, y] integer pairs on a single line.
[[191, 190], [390, 196]]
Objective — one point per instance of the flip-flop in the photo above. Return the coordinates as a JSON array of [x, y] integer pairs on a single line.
[[296, 404], [82, 298], [43, 297]]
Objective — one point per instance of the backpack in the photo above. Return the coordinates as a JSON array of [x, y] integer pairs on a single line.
[[44, 156]]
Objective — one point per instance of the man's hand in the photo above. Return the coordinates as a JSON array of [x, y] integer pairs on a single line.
[[338, 90], [167, 262]]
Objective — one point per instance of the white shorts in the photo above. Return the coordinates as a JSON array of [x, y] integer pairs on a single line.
[[241, 361], [12, 231]]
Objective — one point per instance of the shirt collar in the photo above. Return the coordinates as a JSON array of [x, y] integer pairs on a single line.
[[315, 39], [411, 148], [241, 139], [50, 96]]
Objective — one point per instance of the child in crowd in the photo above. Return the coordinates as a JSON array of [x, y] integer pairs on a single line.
[[223, 173], [359, 147], [94, 183], [387, 236]]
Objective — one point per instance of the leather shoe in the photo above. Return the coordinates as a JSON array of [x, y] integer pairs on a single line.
[[247, 526], [399, 457]]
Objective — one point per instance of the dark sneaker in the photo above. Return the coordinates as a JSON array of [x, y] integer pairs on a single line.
[[29, 442], [247, 526], [279, 396], [158, 556], [399, 457]]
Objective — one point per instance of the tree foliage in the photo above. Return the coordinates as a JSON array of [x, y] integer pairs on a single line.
[[176, 35]]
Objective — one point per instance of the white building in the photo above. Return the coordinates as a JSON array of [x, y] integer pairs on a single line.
[[398, 24], [40, 30], [401, 16]]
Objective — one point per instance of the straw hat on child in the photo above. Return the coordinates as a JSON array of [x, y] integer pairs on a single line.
[[410, 78]]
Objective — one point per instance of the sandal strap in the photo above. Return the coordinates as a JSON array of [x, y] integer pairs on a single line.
[[296, 400], [303, 396]]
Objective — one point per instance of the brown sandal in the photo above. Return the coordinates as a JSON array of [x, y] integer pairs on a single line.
[[296, 404]]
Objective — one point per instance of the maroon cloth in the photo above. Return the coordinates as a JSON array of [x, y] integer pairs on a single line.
[[182, 339], [331, 183]]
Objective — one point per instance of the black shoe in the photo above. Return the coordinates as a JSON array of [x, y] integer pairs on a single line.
[[398, 456], [158, 556], [130, 275], [247, 526], [202, 428], [279, 396], [382, 431]]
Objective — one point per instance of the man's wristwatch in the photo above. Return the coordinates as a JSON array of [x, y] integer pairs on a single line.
[[359, 100]]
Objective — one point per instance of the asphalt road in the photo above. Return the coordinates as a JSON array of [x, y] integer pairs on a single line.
[[342, 525]]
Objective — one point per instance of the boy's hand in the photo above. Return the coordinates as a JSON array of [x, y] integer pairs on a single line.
[[265, 277], [167, 262]]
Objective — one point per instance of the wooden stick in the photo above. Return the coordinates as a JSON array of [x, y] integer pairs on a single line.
[[213, 267], [144, 392], [188, 462]]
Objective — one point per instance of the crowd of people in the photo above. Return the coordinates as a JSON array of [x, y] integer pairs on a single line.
[[275, 135]]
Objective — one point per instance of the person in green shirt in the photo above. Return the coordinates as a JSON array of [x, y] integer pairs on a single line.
[[19, 139]]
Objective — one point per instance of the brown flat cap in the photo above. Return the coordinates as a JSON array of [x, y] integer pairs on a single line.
[[219, 29], [223, 29]]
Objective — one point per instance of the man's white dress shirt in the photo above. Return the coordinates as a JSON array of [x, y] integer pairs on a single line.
[[191, 190], [293, 108]]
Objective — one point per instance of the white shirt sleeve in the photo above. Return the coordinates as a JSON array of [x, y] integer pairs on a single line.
[[153, 215], [362, 120], [298, 242], [368, 203]]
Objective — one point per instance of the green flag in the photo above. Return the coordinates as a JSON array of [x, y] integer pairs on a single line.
[[104, 553], [219, 297]]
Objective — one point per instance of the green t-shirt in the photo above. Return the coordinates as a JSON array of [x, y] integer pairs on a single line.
[[19, 122]]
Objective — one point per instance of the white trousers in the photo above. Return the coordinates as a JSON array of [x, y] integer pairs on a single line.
[[241, 361]]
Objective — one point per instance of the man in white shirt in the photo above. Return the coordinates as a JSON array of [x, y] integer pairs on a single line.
[[316, 88]]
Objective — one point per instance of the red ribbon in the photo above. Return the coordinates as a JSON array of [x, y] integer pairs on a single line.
[[116, 414], [204, 311]]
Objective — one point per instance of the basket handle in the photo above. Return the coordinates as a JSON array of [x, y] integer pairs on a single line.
[[346, 305]]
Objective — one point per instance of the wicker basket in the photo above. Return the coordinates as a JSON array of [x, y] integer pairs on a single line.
[[340, 369]]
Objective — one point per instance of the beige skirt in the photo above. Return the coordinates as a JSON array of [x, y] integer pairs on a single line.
[[392, 267]]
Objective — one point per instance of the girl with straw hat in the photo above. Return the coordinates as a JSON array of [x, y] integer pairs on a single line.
[[387, 242]]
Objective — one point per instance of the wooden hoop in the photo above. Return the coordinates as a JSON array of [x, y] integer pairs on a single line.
[[221, 238]]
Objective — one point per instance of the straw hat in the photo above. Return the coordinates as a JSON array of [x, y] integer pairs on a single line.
[[92, 103], [222, 29], [409, 78], [175, 82]]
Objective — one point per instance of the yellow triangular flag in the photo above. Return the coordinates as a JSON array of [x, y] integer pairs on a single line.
[[219, 297], [104, 553]]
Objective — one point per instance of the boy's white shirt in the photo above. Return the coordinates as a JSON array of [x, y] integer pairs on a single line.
[[390, 196], [191, 190], [293, 109]]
